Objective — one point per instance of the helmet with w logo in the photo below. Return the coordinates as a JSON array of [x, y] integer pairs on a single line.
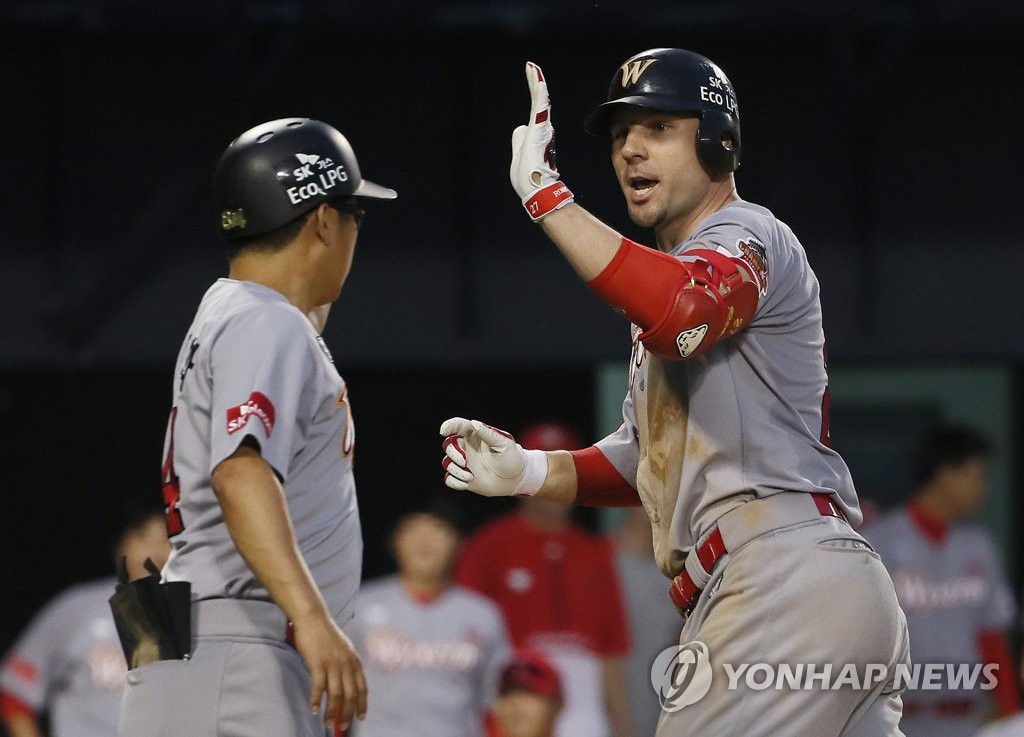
[[679, 81]]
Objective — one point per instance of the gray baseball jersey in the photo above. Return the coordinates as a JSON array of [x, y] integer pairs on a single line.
[[748, 418], [68, 663], [951, 592], [432, 667], [252, 365]]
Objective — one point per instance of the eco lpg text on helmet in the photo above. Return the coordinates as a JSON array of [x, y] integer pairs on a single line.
[[277, 171]]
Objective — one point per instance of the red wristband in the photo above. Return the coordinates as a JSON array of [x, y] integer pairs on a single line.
[[546, 199]]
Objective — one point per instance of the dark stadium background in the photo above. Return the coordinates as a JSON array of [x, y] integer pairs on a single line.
[[886, 133]]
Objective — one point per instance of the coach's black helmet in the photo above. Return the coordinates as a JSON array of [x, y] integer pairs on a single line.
[[676, 80], [277, 171]]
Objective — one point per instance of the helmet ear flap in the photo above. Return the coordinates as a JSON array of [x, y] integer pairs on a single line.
[[714, 133]]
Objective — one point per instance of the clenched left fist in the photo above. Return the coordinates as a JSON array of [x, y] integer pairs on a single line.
[[488, 461]]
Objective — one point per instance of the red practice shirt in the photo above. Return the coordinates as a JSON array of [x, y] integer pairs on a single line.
[[553, 587]]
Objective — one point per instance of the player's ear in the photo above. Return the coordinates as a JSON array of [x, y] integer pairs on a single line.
[[322, 221]]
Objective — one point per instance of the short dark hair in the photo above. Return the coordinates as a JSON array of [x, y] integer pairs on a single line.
[[440, 505], [948, 445], [269, 242]]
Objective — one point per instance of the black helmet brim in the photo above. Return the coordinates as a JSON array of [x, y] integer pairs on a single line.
[[599, 119]]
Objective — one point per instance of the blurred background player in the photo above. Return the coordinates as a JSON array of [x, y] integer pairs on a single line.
[[67, 668], [530, 698], [654, 623], [950, 583], [546, 573], [432, 651]]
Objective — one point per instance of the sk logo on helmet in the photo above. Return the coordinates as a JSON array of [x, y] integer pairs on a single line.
[[632, 70]]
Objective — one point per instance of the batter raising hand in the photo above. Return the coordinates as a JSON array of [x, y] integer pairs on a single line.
[[724, 438]]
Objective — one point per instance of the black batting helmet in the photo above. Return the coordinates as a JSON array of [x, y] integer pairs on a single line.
[[277, 171], [682, 81]]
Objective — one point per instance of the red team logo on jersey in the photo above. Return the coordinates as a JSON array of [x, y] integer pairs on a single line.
[[258, 405]]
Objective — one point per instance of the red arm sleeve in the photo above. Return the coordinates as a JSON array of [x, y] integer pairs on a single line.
[[683, 308], [598, 482], [993, 649]]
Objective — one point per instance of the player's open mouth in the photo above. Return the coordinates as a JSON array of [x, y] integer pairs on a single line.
[[641, 188]]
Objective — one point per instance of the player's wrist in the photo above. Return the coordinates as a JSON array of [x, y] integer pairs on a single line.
[[547, 199], [535, 473]]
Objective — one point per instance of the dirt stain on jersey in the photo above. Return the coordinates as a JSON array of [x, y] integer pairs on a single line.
[[663, 422]]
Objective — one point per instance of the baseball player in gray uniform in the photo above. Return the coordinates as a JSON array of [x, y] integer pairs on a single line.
[[432, 650], [257, 471], [950, 583], [724, 438], [67, 667]]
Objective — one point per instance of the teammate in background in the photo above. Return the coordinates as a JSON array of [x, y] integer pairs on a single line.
[[68, 663], [546, 574], [258, 482], [724, 438], [654, 623], [432, 651], [530, 698], [950, 583]]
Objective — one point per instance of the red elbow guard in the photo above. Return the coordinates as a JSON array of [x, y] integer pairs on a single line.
[[682, 307]]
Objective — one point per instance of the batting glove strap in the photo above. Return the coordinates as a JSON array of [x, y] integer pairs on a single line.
[[547, 199], [534, 474]]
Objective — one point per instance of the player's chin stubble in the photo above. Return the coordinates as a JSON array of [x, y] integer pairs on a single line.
[[644, 216]]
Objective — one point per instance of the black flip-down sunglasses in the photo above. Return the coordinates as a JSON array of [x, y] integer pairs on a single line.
[[349, 205]]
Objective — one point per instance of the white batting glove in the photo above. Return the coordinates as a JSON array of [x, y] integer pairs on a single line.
[[534, 173], [488, 461]]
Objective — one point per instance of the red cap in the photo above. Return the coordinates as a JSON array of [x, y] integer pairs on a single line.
[[531, 671], [550, 436]]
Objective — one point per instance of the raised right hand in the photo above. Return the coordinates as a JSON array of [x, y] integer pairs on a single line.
[[534, 172]]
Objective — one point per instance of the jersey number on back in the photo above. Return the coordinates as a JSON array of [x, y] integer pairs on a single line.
[[172, 487]]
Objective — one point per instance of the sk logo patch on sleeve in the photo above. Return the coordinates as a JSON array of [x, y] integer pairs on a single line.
[[258, 405]]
